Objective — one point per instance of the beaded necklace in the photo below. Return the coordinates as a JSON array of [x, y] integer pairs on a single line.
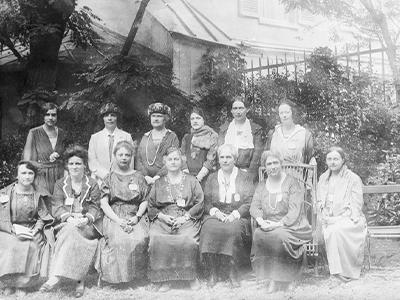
[[158, 147], [180, 188]]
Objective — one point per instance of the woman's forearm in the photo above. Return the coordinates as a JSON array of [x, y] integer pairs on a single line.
[[108, 211], [142, 208]]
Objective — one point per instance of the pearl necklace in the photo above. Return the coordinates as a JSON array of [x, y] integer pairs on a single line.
[[158, 147]]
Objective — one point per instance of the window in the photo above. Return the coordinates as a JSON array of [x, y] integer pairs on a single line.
[[272, 12], [306, 17], [249, 8]]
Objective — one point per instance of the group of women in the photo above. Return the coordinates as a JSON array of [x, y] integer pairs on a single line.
[[163, 211]]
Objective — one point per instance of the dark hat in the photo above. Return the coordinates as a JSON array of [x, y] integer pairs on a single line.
[[159, 108], [110, 108]]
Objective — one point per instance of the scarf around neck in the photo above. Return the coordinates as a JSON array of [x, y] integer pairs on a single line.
[[225, 194], [202, 137], [244, 141]]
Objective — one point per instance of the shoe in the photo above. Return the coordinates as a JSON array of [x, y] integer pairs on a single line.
[[292, 286], [272, 288], [343, 278], [164, 288], [20, 292], [334, 282], [212, 281], [8, 291], [80, 289], [154, 287], [46, 288], [195, 285], [233, 276]]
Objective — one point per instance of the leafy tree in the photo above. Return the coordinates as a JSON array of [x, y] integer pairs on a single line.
[[379, 19], [41, 25]]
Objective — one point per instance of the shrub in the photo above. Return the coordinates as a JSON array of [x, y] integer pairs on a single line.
[[11, 148]]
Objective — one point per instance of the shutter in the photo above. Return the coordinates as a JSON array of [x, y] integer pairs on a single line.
[[249, 8], [306, 17]]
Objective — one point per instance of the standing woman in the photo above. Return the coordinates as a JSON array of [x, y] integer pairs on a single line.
[[45, 145], [123, 251], [340, 199], [102, 143], [175, 209], [226, 226], [293, 141], [76, 208], [23, 215], [244, 135], [199, 147], [283, 227], [155, 143]]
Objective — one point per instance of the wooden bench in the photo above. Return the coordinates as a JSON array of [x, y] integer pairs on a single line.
[[381, 232]]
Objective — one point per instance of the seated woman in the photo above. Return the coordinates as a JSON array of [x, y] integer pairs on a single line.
[[76, 208], [283, 227], [154, 144], [23, 215], [340, 200], [199, 147], [175, 208], [228, 195], [123, 251]]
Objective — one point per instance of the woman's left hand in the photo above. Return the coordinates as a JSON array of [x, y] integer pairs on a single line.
[[82, 222], [178, 222], [229, 218], [53, 157], [133, 221]]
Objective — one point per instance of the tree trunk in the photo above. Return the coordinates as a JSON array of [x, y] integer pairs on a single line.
[[135, 27]]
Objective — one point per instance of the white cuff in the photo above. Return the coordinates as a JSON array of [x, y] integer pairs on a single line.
[[236, 214], [259, 220], [213, 211], [87, 214]]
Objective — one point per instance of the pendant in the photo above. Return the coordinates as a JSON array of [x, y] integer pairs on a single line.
[[133, 187], [237, 197], [69, 201]]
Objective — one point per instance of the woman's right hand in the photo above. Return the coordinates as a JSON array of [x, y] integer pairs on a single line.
[[167, 219], [121, 223], [220, 216]]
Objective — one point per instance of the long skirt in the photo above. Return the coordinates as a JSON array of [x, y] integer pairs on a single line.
[[277, 254], [20, 258], [345, 242], [225, 238], [123, 256], [75, 250], [173, 253]]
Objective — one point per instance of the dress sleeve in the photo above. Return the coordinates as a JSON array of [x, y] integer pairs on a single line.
[[255, 207], [295, 202], [356, 199], [29, 152], [309, 148], [94, 203], [94, 165], [139, 158], [60, 211], [212, 153], [183, 150], [258, 149], [197, 210], [152, 206], [248, 192], [208, 194]]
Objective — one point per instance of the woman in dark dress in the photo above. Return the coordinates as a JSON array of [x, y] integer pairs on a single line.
[[76, 208], [283, 227], [226, 225], [154, 144], [45, 145], [23, 215], [123, 251], [175, 208], [199, 147]]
